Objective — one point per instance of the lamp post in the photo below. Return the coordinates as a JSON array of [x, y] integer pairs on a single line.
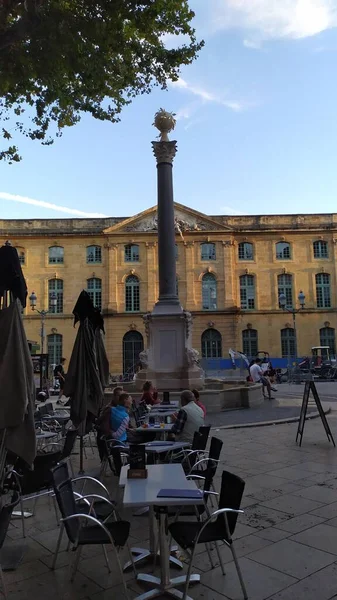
[[283, 304], [43, 314]]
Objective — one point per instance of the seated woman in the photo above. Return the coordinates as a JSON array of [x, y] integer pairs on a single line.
[[150, 394], [197, 401], [119, 418]]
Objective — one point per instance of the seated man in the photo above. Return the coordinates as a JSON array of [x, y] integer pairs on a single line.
[[119, 418], [189, 418], [257, 376]]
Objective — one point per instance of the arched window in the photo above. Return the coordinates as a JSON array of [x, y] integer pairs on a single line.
[[211, 344], [94, 289], [285, 286], [283, 251], [321, 249], [21, 255], [56, 285], [94, 254], [132, 303], [327, 338], [56, 255], [247, 292], [133, 344], [323, 291], [209, 292], [245, 251], [208, 251], [54, 345], [288, 342], [250, 342], [131, 253]]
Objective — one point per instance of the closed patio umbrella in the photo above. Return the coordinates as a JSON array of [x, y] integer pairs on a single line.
[[88, 372]]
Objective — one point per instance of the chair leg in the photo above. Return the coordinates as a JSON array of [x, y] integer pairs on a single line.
[[122, 575], [242, 583], [55, 509], [131, 559], [57, 549], [22, 518], [209, 552], [220, 558], [4, 589], [76, 561], [106, 558], [188, 576]]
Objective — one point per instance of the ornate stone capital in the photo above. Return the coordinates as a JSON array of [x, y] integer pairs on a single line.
[[150, 244], [227, 243], [189, 244], [164, 151]]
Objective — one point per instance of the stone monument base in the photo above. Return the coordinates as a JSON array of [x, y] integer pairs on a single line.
[[169, 362]]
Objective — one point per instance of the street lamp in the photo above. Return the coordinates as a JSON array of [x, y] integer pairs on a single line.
[[43, 313], [283, 304]]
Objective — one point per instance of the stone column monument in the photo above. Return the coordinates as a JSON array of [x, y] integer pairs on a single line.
[[169, 361]]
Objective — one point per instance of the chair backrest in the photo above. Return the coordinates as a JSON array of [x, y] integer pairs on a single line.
[[232, 488], [212, 465], [5, 516], [66, 503], [60, 474], [40, 478], [204, 432], [69, 443], [43, 410], [50, 408]]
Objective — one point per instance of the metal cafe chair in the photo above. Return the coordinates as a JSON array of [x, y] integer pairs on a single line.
[[219, 526], [85, 529]]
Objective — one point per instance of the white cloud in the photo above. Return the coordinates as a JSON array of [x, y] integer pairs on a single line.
[[253, 44], [228, 210], [205, 96], [48, 205], [273, 19]]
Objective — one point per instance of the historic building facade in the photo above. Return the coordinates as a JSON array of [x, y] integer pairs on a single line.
[[230, 273]]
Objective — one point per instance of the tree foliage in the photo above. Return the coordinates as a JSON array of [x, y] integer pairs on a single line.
[[62, 58]]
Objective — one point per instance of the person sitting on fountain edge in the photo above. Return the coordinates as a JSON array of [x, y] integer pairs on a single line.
[[150, 394], [257, 376], [189, 418]]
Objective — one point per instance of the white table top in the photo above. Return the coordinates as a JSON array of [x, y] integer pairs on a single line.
[[163, 447], [143, 492]]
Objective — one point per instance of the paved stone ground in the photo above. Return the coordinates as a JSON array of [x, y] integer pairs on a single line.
[[286, 540], [270, 410]]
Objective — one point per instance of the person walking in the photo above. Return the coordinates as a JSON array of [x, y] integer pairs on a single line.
[[257, 376], [60, 375]]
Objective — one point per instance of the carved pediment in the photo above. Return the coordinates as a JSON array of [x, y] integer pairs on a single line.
[[186, 220]]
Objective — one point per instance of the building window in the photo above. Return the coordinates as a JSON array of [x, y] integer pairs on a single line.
[[283, 251], [94, 289], [246, 251], [131, 253], [209, 292], [211, 344], [208, 252], [288, 342], [247, 292], [327, 338], [250, 342], [176, 251], [94, 254], [56, 285], [132, 303], [321, 249], [285, 286], [56, 255], [22, 256], [54, 345], [323, 292], [133, 344]]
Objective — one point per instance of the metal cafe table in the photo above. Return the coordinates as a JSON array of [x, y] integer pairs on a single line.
[[143, 492]]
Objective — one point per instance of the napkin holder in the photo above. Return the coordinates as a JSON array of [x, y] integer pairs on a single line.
[[137, 469]]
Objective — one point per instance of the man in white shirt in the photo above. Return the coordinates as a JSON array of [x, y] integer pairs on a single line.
[[257, 376]]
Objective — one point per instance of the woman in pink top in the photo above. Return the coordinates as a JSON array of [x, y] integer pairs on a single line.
[[197, 401]]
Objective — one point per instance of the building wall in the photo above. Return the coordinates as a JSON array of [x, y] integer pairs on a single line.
[[264, 232]]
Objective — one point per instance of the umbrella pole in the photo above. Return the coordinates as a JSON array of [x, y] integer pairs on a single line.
[[81, 471]]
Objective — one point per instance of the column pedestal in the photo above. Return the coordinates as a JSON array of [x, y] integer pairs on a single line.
[[170, 362]]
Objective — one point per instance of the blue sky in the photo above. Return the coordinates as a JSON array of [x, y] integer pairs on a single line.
[[256, 129]]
